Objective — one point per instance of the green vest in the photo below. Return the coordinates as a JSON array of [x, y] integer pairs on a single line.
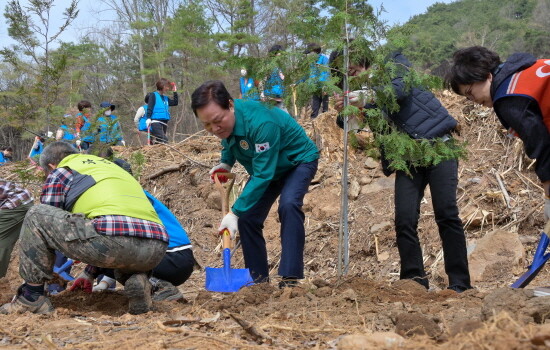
[[115, 191]]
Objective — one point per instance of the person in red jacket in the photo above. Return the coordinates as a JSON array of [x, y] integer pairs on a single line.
[[519, 92]]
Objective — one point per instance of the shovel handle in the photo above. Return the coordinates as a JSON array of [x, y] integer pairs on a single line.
[[224, 189], [226, 239]]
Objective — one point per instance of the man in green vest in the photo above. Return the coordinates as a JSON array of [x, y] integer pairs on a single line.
[[93, 211], [281, 161]]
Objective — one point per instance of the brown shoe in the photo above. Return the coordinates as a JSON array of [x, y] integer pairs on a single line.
[[138, 290], [20, 304]]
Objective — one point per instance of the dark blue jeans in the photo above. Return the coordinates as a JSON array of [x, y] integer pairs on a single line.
[[292, 188], [409, 190]]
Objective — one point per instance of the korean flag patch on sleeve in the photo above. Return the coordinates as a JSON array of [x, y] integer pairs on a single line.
[[262, 147]]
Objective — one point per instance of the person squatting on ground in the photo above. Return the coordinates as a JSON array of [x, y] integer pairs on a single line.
[[518, 90], [158, 110], [15, 201], [421, 116], [93, 211], [177, 264], [281, 161]]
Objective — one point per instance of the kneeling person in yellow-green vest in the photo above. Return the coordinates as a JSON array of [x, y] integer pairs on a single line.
[[281, 161], [93, 211]]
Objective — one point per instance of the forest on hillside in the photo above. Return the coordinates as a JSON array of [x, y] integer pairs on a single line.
[[191, 41], [505, 26]]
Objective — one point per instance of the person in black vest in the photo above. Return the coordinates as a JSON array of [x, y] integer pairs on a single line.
[[421, 116]]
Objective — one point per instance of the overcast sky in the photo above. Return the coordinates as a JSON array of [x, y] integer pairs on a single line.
[[397, 12]]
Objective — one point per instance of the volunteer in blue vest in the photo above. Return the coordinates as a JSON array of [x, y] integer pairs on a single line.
[[281, 161], [66, 130], [519, 92], [158, 109], [319, 73], [93, 211], [140, 119], [109, 126], [274, 88], [6, 155], [248, 88], [85, 132]]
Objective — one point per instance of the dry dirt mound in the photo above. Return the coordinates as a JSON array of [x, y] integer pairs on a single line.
[[368, 307]]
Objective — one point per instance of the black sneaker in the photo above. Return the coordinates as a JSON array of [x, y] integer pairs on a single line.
[[289, 282], [459, 289], [165, 290]]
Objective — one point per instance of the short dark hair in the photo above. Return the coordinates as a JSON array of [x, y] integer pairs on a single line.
[[162, 83], [8, 149], [275, 49], [471, 65], [212, 90], [83, 104], [55, 152], [313, 47]]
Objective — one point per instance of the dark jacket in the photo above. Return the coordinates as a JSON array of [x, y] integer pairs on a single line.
[[523, 115], [420, 114]]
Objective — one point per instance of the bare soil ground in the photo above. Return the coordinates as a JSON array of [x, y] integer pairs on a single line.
[[367, 308]]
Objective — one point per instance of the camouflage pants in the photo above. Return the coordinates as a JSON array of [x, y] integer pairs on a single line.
[[47, 229], [11, 221]]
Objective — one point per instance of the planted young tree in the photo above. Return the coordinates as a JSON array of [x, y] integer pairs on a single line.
[[354, 29]]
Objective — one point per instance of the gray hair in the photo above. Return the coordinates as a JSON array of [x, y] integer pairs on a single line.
[[54, 153]]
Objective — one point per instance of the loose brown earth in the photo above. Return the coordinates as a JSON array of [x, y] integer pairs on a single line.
[[367, 308]]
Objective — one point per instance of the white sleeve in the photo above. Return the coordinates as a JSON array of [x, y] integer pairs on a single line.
[[140, 113]]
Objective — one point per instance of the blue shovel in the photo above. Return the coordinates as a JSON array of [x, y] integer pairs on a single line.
[[538, 261], [226, 279]]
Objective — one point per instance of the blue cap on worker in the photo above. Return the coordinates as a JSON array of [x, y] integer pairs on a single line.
[[107, 105]]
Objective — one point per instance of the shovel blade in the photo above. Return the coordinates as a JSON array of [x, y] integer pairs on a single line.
[[539, 260], [226, 279]]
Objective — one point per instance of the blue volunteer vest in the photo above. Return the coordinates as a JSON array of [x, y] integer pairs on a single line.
[[161, 111], [143, 120], [176, 233]]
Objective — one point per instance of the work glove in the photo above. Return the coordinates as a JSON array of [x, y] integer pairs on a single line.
[[104, 284], [231, 223], [123, 143], [84, 282], [78, 142], [547, 209], [220, 168], [360, 98], [174, 88], [148, 122]]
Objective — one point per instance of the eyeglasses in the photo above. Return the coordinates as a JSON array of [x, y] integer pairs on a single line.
[[468, 92]]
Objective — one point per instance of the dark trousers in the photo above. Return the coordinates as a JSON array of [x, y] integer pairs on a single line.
[[158, 132], [443, 180], [316, 102], [292, 188], [175, 267]]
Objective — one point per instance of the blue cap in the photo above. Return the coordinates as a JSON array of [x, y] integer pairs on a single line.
[[107, 105]]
